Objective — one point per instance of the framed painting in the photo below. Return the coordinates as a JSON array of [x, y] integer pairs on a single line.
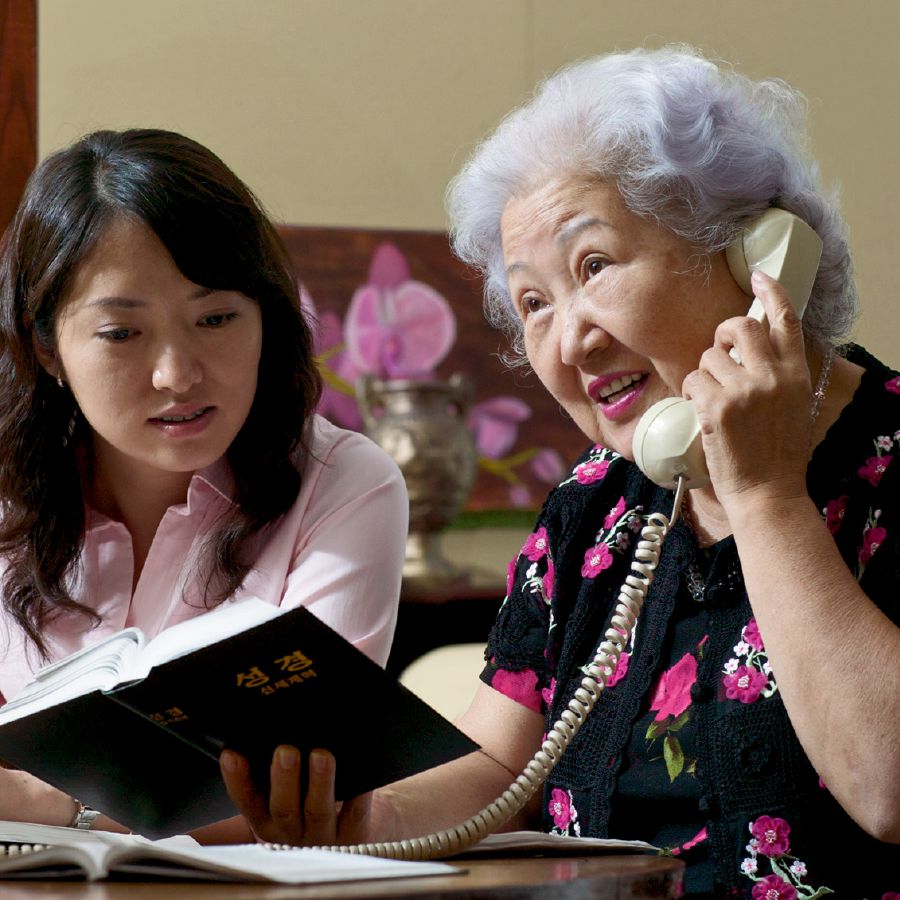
[[425, 307]]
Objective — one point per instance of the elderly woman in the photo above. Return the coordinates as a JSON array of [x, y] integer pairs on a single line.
[[752, 724]]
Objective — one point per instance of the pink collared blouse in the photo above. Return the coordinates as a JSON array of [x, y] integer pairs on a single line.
[[338, 551]]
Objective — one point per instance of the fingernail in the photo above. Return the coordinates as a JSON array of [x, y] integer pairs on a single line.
[[288, 757], [758, 276], [229, 761], [318, 762]]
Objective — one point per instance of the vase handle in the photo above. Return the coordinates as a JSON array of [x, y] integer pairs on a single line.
[[461, 392], [368, 398]]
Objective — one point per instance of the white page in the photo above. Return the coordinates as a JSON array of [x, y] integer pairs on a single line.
[[241, 862], [254, 862], [202, 631], [537, 841], [97, 667], [128, 656]]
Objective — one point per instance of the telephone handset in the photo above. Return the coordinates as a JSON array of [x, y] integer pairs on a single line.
[[667, 443], [787, 249]]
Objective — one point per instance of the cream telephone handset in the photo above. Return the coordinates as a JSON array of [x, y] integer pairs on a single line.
[[667, 448], [667, 443]]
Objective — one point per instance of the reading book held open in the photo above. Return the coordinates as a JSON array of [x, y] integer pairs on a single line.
[[135, 728]]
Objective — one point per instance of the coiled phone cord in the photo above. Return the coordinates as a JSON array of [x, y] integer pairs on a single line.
[[628, 607]]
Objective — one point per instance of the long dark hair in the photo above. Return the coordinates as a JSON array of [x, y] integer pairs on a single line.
[[219, 237]]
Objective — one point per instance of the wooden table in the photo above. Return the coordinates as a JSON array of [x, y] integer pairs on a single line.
[[521, 878]]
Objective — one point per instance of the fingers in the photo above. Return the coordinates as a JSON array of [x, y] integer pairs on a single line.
[[285, 816], [319, 810], [779, 336], [236, 775], [284, 793]]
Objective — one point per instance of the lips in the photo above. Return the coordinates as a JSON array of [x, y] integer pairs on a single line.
[[605, 388], [176, 418]]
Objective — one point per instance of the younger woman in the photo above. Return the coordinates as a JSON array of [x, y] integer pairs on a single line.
[[159, 451]]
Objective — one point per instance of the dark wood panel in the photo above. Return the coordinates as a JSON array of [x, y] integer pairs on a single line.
[[18, 101]]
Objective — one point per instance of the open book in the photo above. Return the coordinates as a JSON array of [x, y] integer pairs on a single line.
[[135, 728], [44, 851]]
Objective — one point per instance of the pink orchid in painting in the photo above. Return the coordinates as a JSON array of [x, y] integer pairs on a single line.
[[520, 496], [338, 401], [396, 327], [548, 466], [495, 424]]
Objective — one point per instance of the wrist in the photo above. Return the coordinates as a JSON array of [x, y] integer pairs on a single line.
[[84, 817], [769, 511]]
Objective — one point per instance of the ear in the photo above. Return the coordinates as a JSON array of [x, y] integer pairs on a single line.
[[46, 357]]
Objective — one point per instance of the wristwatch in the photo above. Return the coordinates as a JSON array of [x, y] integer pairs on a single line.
[[84, 817]]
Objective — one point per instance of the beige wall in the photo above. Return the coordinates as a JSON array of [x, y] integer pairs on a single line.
[[356, 112]]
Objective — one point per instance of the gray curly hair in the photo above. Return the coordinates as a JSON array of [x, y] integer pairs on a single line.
[[690, 144]]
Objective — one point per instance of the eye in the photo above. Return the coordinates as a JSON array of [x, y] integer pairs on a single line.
[[217, 320], [591, 266], [531, 303], [116, 335]]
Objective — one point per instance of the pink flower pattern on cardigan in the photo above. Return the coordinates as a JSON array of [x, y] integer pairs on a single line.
[[748, 675], [770, 847]]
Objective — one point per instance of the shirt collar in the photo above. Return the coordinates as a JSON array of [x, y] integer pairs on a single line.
[[216, 478]]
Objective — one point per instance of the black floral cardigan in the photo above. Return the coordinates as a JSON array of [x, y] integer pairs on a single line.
[[772, 829]]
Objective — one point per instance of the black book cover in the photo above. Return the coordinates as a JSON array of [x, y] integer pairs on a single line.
[[146, 753]]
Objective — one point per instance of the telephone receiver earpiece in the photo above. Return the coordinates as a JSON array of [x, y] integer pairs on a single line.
[[667, 444]]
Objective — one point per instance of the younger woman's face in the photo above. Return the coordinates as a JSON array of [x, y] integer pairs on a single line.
[[163, 370]]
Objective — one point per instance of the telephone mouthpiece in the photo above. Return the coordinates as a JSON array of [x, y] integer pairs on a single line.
[[667, 444]]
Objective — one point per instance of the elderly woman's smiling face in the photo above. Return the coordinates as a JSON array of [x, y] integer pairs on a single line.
[[616, 310]]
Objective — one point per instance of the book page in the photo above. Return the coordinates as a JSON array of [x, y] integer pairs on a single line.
[[98, 853], [511, 842], [255, 862], [209, 628], [97, 667]]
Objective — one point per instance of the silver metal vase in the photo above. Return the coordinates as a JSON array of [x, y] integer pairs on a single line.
[[422, 425]]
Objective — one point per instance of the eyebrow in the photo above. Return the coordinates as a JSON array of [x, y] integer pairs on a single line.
[[567, 233], [570, 230], [132, 303]]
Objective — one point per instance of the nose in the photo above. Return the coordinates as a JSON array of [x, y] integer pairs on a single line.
[[582, 335], [177, 367]]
